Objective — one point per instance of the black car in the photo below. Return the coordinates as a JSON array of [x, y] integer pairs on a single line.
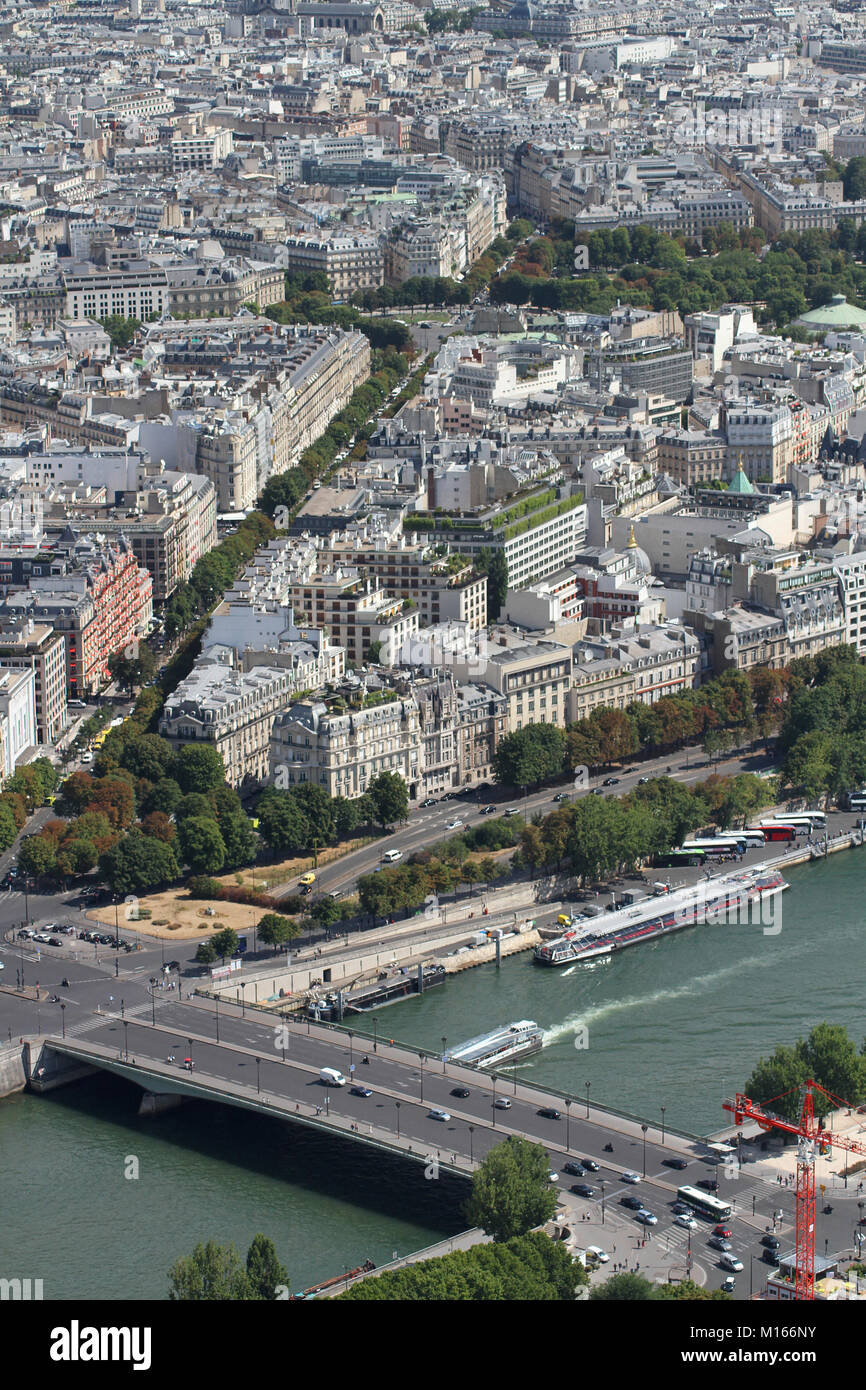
[[54, 941], [708, 1184], [548, 1113], [431, 801], [171, 965], [462, 1091], [590, 1165], [770, 1257], [772, 1242], [679, 1163], [360, 1091], [633, 1203], [487, 811], [610, 782], [681, 1209], [582, 1189], [575, 1170]]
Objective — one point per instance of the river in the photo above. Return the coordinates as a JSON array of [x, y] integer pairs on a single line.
[[678, 1023]]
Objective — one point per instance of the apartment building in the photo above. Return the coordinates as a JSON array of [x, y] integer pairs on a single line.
[[135, 290], [100, 606], [481, 723], [761, 437], [694, 458], [206, 150], [231, 709], [445, 589], [29, 645], [534, 677], [350, 262], [851, 572], [344, 752], [356, 612], [621, 669], [537, 540], [17, 716]]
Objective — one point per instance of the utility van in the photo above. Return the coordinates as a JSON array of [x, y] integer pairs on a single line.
[[330, 1077], [392, 855]]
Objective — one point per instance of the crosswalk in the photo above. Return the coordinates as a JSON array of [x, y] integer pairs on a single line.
[[95, 1021]]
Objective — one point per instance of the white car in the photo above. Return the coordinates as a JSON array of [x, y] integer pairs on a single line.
[[454, 825], [687, 1222], [513, 811], [731, 1262], [502, 1103], [87, 757], [438, 1115], [630, 1177], [595, 1252]]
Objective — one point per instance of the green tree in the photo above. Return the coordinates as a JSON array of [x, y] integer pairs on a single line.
[[623, 1288], [201, 845], [205, 953], [138, 864], [511, 1193], [37, 855], [282, 823], [390, 797], [239, 839], [527, 1268], [211, 1273], [529, 756], [273, 929], [497, 583], [265, 1274], [225, 943], [199, 768], [318, 808]]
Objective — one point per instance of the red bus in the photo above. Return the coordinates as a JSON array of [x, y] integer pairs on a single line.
[[778, 832]]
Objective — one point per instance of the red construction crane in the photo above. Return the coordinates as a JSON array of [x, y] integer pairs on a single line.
[[812, 1140]]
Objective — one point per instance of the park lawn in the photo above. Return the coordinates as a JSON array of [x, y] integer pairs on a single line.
[[177, 915]]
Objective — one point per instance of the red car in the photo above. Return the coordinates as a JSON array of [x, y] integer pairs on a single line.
[[722, 1230]]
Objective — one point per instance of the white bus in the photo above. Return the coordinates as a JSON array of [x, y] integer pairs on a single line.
[[705, 1203], [857, 801], [719, 844], [809, 819]]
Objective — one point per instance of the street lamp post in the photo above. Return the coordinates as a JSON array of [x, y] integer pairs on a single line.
[[217, 1003], [602, 1201], [663, 1123], [493, 1079], [644, 1129], [444, 1042], [258, 1074], [422, 1060], [587, 1084], [126, 1038], [471, 1153], [568, 1125], [63, 1019], [242, 987], [397, 1107], [351, 1060], [375, 1034]]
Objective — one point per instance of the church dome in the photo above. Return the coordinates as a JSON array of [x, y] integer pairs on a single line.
[[639, 557]]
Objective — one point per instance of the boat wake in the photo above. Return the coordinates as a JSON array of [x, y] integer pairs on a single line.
[[698, 984]]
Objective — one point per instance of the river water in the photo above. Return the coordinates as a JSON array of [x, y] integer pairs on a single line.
[[678, 1023]]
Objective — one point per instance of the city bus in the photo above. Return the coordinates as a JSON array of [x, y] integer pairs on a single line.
[[679, 857], [857, 801], [705, 1203]]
